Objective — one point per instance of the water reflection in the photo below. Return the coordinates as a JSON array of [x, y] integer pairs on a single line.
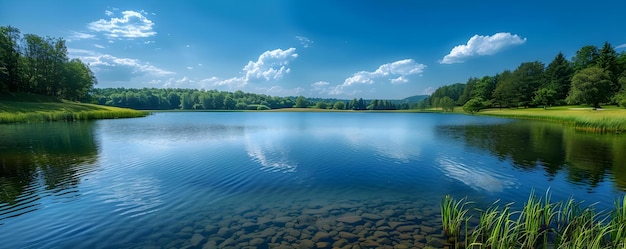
[[269, 150], [476, 177], [40, 160], [586, 159]]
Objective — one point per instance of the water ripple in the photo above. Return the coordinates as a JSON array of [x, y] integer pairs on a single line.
[[475, 176]]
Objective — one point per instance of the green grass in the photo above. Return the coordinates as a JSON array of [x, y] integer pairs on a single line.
[[540, 223], [30, 108], [609, 119]]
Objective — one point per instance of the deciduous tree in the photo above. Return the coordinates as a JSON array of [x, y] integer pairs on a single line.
[[590, 86]]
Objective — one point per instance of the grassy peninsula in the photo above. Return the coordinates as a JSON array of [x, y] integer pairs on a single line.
[[29, 108]]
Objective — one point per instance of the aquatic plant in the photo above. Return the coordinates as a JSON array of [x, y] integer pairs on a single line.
[[453, 215], [539, 224]]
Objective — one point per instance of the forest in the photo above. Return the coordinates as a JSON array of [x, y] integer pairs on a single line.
[[594, 76], [33, 64]]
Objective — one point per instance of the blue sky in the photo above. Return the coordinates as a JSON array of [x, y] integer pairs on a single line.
[[338, 49]]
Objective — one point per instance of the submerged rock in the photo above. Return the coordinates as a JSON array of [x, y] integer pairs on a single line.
[[352, 219]]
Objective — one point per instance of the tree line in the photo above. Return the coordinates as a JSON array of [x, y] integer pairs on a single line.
[[194, 99], [594, 76], [33, 64]]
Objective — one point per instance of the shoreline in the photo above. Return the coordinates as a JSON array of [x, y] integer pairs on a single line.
[[607, 120], [37, 109]]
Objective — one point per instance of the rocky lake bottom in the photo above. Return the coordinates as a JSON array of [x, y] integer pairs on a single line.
[[308, 224]]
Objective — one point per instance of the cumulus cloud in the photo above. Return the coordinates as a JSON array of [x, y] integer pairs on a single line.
[[131, 24], [271, 65], [305, 42], [480, 45], [111, 68], [401, 68], [395, 72]]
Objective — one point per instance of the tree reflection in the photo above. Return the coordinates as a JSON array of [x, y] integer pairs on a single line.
[[585, 157], [52, 156]]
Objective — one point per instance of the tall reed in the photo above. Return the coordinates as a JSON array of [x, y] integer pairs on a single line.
[[453, 215], [540, 223]]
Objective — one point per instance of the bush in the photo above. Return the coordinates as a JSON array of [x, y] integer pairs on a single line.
[[263, 107], [473, 105]]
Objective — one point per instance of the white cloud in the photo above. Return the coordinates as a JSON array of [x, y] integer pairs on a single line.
[[178, 83], [189, 68], [305, 42], [320, 84], [362, 77], [399, 80], [271, 65], [132, 24], [108, 13], [98, 46], [402, 68], [321, 87], [336, 90], [111, 68], [395, 72], [429, 90], [621, 46], [80, 36], [480, 45]]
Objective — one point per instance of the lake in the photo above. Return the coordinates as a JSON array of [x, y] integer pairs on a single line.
[[272, 179]]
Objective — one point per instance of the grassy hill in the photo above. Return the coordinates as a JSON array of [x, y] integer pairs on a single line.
[[28, 108]]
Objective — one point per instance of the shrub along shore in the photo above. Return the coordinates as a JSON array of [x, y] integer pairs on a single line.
[[31, 108]]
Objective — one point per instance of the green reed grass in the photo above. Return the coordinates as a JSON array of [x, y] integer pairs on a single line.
[[453, 215], [45, 110], [585, 119], [540, 223]]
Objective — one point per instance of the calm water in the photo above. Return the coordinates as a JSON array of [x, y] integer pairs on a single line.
[[270, 179]]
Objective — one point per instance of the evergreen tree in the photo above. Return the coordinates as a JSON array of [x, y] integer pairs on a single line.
[[558, 76], [607, 60], [586, 56]]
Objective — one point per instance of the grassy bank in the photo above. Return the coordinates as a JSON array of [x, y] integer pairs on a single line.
[[29, 108], [610, 119], [540, 223]]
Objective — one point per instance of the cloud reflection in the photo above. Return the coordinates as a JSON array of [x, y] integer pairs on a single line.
[[475, 177], [267, 150]]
